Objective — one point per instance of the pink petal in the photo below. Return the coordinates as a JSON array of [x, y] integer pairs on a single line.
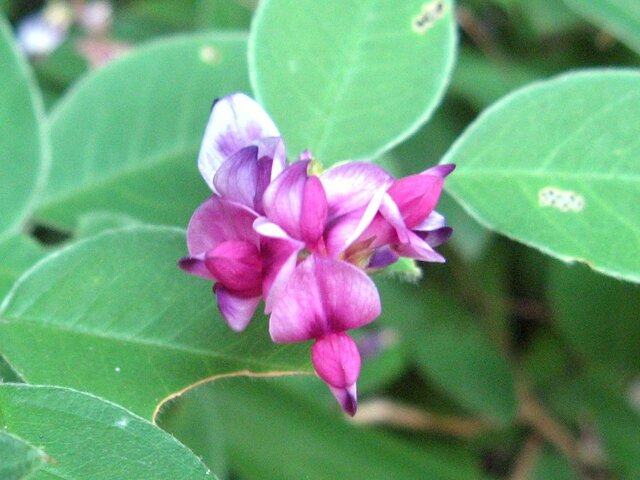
[[280, 259], [416, 196], [323, 296], [313, 214], [282, 200], [217, 221], [236, 121], [345, 230], [352, 185], [237, 265], [440, 170], [236, 311], [336, 359], [418, 249]]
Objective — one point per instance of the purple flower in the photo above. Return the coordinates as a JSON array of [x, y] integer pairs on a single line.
[[302, 242]]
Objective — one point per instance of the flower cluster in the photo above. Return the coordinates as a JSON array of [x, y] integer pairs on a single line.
[[304, 243]]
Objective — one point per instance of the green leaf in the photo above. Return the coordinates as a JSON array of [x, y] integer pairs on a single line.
[[126, 138], [605, 328], [621, 18], [18, 253], [349, 80], [86, 437], [24, 150], [273, 433], [554, 166], [450, 348], [114, 316], [19, 459]]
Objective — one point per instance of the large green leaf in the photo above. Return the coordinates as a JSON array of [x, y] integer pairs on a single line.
[[555, 166], [621, 18], [24, 150], [349, 79], [450, 348], [18, 459], [86, 437], [605, 328], [274, 433], [126, 138], [114, 316], [18, 252]]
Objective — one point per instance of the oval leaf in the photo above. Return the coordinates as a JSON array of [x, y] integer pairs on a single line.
[[555, 166], [349, 80], [127, 137], [86, 437], [273, 433], [114, 316], [23, 148]]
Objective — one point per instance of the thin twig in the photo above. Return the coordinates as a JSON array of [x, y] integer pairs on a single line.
[[394, 414], [526, 460]]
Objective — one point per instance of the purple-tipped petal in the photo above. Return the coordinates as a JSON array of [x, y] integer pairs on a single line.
[[236, 121], [236, 311], [336, 359], [436, 237], [383, 257], [237, 265], [195, 266], [217, 221], [440, 170], [416, 196], [237, 178], [313, 214], [322, 296], [352, 185], [273, 147], [282, 200], [347, 398], [433, 222], [392, 214]]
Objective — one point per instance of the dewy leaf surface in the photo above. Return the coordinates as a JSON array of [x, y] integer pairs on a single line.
[[126, 138], [555, 166], [114, 316], [349, 79], [23, 146], [86, 437], [620, 18], [18, 459]]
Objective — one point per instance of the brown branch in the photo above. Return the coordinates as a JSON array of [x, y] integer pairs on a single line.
[[526, 460], [394, 414]]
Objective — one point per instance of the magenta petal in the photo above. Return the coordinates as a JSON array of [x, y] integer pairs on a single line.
[[237, 265], [433, 222], [280, 257], [313, 214], [323, 296], [236, 121], [195, 266], [416, 196], [237, 177], [440, 170], [418, 249], [336, 359], [282, 200], [217, 221], [273, 148], [236, 311], [352, 185]]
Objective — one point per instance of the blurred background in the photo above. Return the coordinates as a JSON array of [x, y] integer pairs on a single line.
[[501, 364]]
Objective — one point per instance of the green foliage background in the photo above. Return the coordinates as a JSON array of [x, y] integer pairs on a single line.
[[518, 358]]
